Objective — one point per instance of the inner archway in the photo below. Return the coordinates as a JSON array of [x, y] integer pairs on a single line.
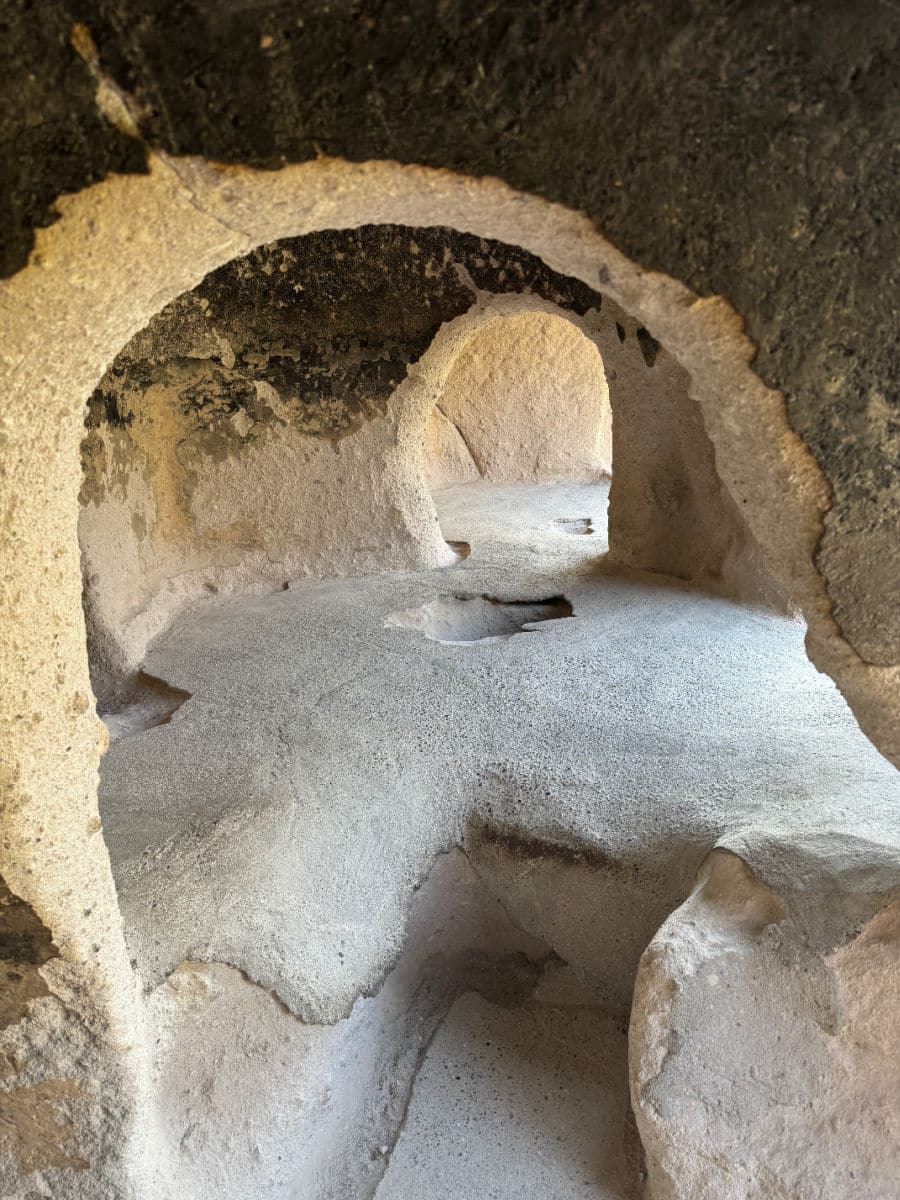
[[525, 402], [288, 416]]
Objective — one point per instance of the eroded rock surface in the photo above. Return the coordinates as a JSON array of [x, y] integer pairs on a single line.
[[529, 402], [324, 751], [285, 367], [763, 1034], [344, 373], [255, 1102], [275, 826], [524, 1102]]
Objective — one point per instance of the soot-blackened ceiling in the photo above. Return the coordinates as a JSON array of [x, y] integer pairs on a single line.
[[746, 149], [331, 321]]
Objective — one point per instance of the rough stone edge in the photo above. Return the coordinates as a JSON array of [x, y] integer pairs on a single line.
[[188, 216], [124, 248]]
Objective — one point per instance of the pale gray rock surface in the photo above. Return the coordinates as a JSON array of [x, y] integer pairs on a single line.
[[279, 825], [324, 757], [763, 1035], [255, 1103], [522, 1103]]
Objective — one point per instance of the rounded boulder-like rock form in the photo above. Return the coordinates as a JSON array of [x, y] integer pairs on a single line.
[[761, 1032]]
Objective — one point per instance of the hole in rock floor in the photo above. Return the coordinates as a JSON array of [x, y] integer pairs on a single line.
[[462, 620], [578, 525], [151, 702], [387, 899]]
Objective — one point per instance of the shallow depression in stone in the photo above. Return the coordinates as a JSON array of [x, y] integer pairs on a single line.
[[459, 619]]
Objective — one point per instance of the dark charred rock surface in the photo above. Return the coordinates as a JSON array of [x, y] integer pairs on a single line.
[[330, 321], [25, 945], [746, 150]]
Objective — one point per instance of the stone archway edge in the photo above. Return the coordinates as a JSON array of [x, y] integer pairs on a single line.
[[125, 247], [122, 250]]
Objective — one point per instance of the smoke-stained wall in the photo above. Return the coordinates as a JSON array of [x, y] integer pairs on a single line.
[[272, 424], [747, 150]]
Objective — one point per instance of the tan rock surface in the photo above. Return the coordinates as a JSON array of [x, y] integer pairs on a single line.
[[529, 400]]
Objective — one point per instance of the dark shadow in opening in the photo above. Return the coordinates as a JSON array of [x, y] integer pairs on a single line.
[[150, 702]]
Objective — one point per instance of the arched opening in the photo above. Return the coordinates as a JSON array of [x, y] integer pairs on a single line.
[[521, 435], [276, 831], [296, 413], [525, 402]]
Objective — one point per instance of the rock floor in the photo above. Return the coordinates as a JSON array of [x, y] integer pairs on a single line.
[[280, 843], [526, 1102]]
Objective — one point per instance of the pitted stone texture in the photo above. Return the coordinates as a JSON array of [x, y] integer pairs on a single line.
[[257, 1105], [448, 460], [518, 1104], [324, 759], [763, 1033]]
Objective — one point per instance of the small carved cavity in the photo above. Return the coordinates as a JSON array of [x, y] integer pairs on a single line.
[[461, 619], [25, 945], [582, 525], [649, 346], [152, 702]]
